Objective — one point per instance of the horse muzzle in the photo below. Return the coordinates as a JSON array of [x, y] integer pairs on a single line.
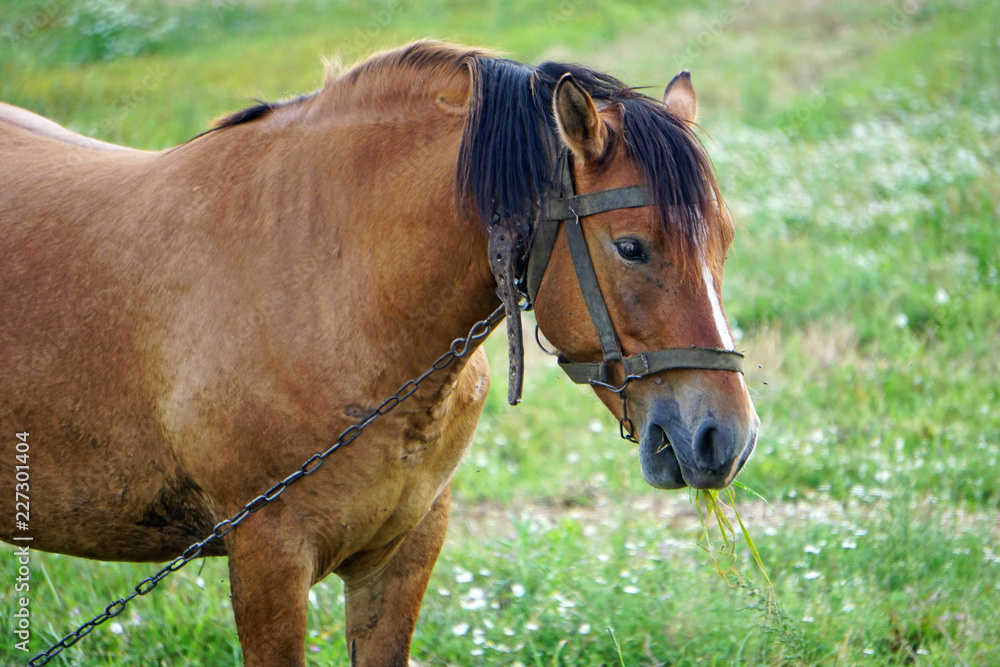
[[707, 454]]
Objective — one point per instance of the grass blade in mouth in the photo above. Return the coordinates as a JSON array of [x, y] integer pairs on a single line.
[[664, 442]]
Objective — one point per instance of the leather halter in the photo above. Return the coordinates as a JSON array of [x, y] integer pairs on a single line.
[[562, 206]]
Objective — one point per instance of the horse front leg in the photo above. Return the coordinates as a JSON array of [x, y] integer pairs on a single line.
[[383, 603], [270, 572]]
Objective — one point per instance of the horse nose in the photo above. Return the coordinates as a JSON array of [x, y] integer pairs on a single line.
[[705, 455], [712, 449]]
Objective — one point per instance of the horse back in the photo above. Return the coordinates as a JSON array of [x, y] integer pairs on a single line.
[[12, 116]]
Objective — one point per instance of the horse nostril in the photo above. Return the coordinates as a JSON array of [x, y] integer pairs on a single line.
[[706, 447]]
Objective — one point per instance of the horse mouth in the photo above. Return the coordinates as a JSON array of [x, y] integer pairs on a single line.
[[660, 467], [663, 468]]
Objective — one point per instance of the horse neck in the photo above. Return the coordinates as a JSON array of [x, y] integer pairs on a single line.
[[350, 231]]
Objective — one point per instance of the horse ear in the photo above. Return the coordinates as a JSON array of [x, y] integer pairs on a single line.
[[680, 98], [577, 119]]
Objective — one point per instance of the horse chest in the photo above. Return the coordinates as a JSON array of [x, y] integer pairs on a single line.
[[422, 450], [435, 436], [424, 457]]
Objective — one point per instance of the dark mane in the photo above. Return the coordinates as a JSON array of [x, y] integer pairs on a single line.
[[510, 142], [510, 145], [259, 110]]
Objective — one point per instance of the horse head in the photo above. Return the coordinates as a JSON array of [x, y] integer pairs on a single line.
[[657, 241]]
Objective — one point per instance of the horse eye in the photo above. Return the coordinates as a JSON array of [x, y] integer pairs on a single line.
[[630, 249]]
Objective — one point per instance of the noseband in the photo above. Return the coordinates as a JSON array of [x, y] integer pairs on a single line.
[[563, 207]]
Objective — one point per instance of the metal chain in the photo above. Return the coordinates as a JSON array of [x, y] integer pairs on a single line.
[[459, 348], [626, 429]]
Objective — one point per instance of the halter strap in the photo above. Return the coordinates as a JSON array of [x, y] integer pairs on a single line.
[[592, 296], [648, 363], [592, 203]]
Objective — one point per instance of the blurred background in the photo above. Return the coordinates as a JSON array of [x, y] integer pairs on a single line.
[[856, 144]]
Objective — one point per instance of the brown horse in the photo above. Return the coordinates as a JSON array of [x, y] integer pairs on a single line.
[[182, 329]]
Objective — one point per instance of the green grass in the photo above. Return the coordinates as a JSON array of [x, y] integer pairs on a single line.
[[856, 144]]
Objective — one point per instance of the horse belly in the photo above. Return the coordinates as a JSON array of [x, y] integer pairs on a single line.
[[78, 374], [100, 496]]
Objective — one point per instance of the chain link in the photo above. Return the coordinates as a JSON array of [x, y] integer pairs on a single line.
[[458, 349], [625, 426]]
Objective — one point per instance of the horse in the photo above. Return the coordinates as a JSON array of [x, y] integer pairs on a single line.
[[182, 328]]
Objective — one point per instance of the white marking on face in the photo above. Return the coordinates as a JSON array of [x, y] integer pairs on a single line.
[[720, 319], [717, 315]]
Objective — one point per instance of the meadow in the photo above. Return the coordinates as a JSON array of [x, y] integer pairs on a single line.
[[857, 146]]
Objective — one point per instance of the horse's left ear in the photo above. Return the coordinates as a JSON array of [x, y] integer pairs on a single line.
[[680, 98], [579, 123]]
